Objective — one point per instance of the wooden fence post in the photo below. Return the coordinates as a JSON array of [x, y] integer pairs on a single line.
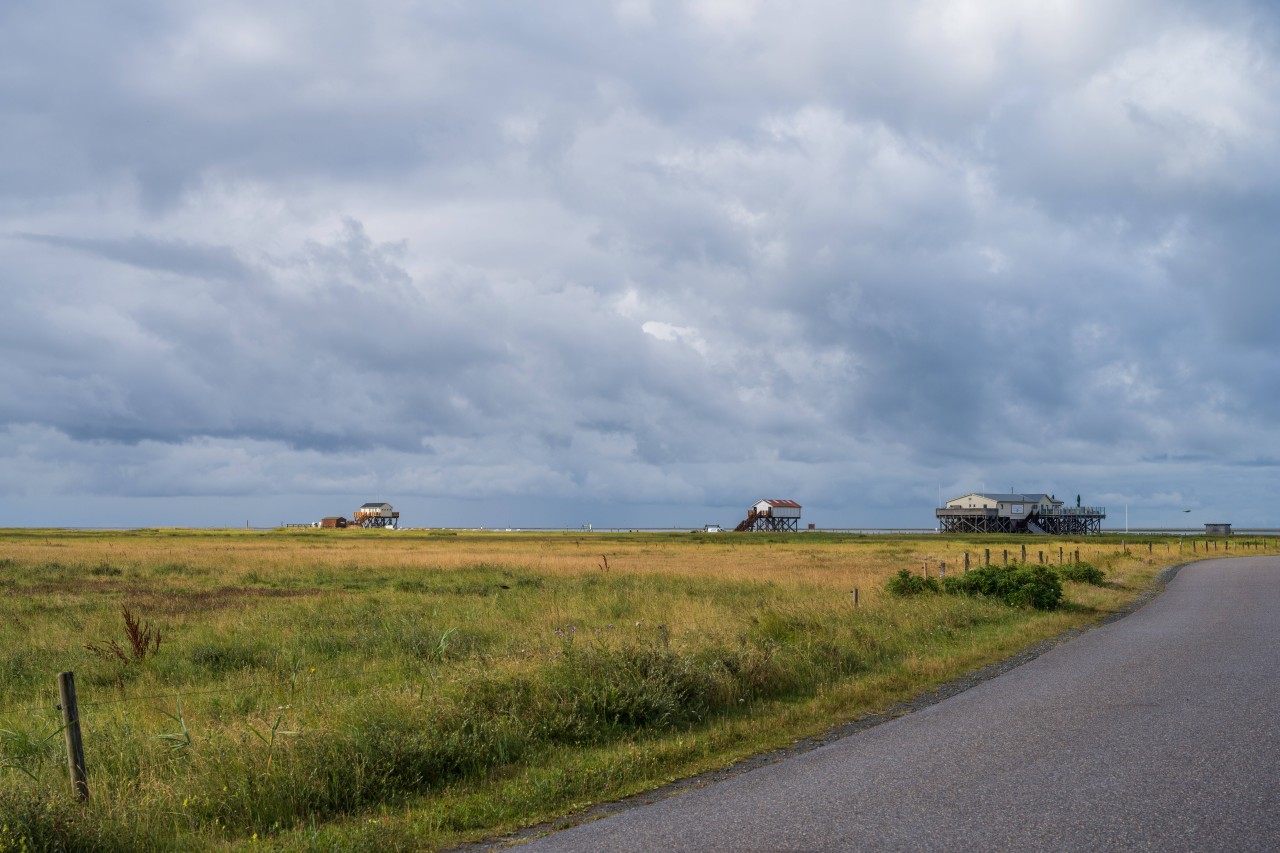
[[1006, 556], [71, 733], [1024, 553], [966, 562], [1059, 555], [986, 556]]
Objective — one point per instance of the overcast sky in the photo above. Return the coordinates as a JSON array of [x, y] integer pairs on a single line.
[[637, 263]]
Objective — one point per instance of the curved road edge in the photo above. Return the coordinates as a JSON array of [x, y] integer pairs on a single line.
[[812, 742]]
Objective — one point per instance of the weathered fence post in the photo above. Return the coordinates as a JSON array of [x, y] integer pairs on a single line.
[[942, 569], [966, 562], [986, 556], [855, 596], [1077, 555], [1149, 546], [71, 733], [1059, 555], [1040, 557], [1006, 556], [1024, 553]]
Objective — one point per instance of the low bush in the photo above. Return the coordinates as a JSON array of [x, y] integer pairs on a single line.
[[1018, 585], [1082, 572], [1035, 586], [904, 583]]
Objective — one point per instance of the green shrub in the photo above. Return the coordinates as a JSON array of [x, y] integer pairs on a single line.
[[1082, 572], [904, 583], [1035, 586], [1018, 585]]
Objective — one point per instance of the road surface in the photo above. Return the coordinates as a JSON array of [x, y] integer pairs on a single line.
[[1154, 732]]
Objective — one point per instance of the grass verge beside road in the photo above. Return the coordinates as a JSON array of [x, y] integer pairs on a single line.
[[396, 690]]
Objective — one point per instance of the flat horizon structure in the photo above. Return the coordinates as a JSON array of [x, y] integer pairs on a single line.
[[1005, 512]]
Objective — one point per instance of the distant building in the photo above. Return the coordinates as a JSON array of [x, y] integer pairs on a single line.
[[376, 514], [1217, 529], [1007, 512], [333, 521], [772, 514]]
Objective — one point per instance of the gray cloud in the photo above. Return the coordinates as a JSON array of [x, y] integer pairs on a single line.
[[645, 261], [175, 256]]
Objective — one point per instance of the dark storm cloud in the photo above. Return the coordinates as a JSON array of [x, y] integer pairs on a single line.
[[640, 254]]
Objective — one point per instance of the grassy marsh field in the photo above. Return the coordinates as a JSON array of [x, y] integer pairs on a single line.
[[410, 690]]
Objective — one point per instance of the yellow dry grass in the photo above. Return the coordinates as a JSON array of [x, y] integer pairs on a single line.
[[820, 560]]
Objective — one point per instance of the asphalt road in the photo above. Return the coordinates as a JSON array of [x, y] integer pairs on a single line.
[[1155, 732]]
